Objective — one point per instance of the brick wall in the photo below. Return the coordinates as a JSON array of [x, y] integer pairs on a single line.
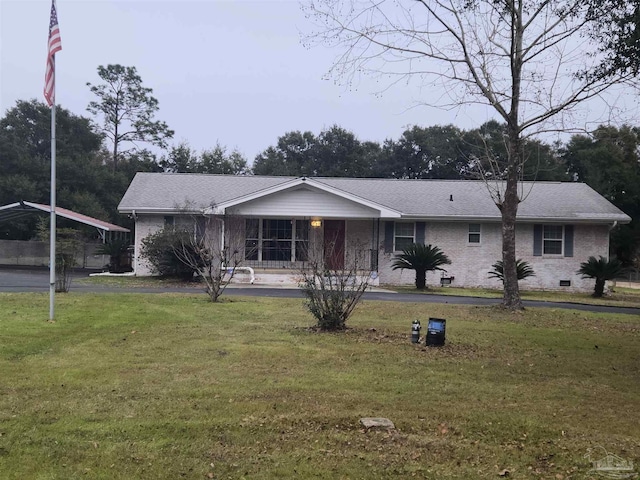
[[472, 262]]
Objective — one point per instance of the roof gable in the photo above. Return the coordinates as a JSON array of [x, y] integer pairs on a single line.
[[305, 197]]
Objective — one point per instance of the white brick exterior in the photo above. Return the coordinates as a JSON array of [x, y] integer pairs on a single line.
[[470, 263], [145, 225]]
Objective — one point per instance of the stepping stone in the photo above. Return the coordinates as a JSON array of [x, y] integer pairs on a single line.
[[377, 422]]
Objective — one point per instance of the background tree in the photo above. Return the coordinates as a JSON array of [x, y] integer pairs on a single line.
[[486, 148], [291, 156], [608, 160], [335, 152], [25, 163], [516, 56], [182, 159], [127, 110], [338, 153], [217, 160], [431, 152]]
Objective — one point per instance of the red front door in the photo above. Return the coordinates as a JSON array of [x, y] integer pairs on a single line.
[[334, 233]]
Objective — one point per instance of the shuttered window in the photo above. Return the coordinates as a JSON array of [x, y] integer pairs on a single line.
[[553, 240], [405, 235]]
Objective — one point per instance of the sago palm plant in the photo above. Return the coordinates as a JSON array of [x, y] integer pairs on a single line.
[[523, 270], [602, 270], [422, 259]]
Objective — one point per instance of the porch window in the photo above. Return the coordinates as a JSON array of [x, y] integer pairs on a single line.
[[252, 238], [302, 240], [276, 239], [552, 239], [405, 235]]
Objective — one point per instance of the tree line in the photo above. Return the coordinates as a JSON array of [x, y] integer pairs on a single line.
[[94, 171]]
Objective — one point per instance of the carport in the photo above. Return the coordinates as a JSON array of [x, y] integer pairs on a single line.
[[23, 208]]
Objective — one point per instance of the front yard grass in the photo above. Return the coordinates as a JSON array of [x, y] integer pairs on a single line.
[[134, 386], [619, 297]]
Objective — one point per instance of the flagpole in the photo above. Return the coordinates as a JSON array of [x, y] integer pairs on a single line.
[[52, 234], [54, 45]]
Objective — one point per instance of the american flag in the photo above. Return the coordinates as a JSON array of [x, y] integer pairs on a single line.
[[55, 45]]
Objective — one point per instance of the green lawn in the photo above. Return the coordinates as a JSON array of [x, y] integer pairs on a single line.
[[132, 386], [619, 297]]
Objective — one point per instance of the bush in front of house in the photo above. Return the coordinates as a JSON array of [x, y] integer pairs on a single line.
[[523, 270], [332, 294], [602, 270], [118, 255], [422, 259], [159, 249]]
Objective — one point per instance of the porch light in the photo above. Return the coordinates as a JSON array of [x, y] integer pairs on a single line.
[[316, 223]]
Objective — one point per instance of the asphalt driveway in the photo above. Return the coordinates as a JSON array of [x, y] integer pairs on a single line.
[[16, 279]]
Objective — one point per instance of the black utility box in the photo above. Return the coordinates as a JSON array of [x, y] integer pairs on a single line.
[[436, 331]]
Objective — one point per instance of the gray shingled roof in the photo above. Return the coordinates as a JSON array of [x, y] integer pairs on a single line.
[[569, 201]]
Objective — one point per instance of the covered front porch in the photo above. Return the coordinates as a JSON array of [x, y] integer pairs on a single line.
[[278, 250]]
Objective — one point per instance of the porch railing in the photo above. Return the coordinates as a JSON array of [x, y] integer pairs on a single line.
[[368, 261]]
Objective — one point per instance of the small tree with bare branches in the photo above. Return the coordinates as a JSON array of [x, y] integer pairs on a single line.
[[333, 293], [209, 246], [212, 247]]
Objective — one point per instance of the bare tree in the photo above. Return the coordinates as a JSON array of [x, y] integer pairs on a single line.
[[334, 291], [212, 246], [528, 60]]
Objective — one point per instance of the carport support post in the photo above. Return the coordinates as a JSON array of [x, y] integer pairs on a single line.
[[52, 234]]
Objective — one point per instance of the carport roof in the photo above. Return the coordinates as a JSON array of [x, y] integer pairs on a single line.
[[22, 208]]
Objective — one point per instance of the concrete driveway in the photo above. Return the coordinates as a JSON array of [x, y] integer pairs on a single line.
[[14, 279]]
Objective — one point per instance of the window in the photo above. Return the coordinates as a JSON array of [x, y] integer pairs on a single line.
[[276, 239], [552, 239], [404, 236], [252, 236], [474, 233], [302, 240], [169, 220]]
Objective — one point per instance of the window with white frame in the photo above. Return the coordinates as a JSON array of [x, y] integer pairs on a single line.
[[474, 234], [552, 236], [276, 239], [405, 235]]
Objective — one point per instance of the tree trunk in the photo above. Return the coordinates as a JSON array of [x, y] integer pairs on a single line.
[[511, 297], [509, 207], [599, 290], [421, 279]]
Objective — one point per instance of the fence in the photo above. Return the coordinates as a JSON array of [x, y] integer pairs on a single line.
[[36, 254]]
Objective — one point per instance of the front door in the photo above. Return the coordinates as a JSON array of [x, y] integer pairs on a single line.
[[334, 234]]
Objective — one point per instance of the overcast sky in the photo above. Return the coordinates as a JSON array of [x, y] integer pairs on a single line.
[[230, 71]]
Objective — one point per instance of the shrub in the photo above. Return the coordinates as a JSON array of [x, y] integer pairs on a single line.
[[422, 259], [332, 295], [118, 255], [602, 270], [523, 270], [159, 249]]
